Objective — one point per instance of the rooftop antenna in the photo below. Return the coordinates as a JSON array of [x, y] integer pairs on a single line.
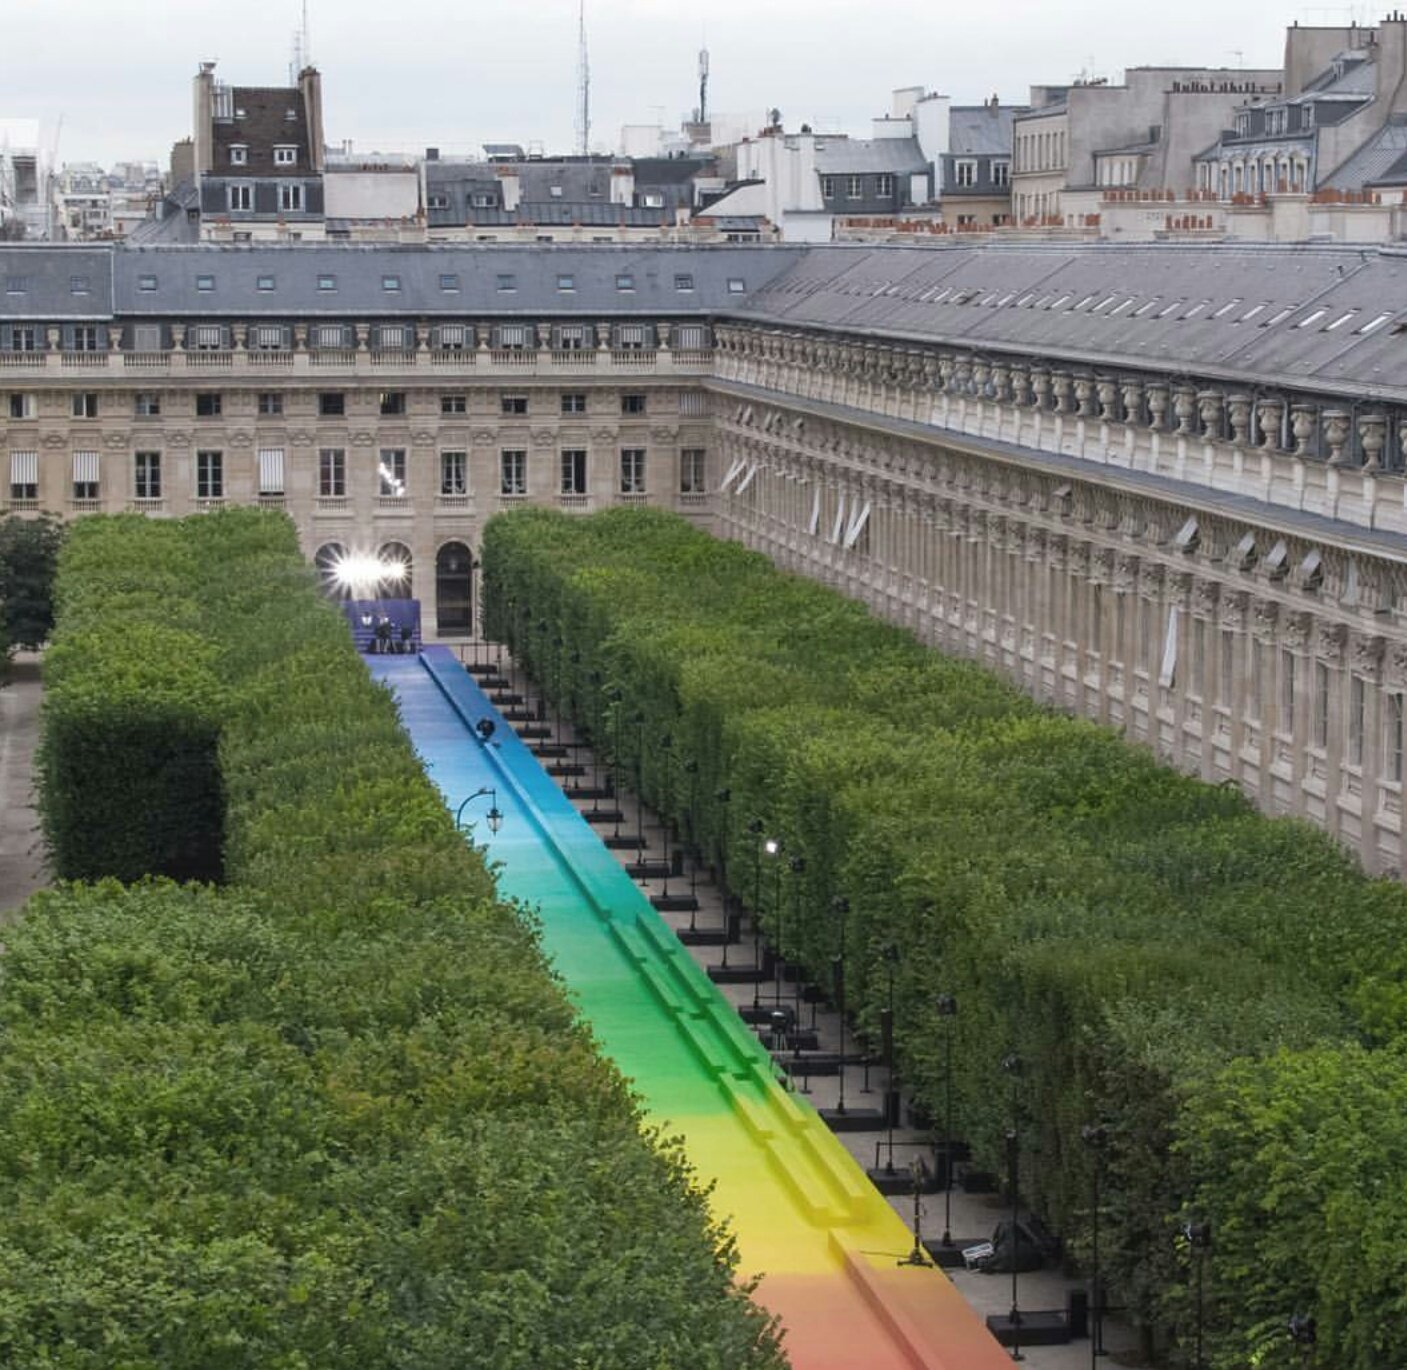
[[583, 87], [302, 49], [703, 85]]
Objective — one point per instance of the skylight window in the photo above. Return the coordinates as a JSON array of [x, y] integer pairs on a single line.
[[1104, 304], [1119, 308], [205, 284], [146, 283], [625, 282], [1251, 313], [1279, 317], [78, 285], [1340, 321], [390, 283], [1171, 309], [1082, 303], [1060, 302], [266, 283], [449, 281], [1026, 299], [684, 281], [327, 282], [566, 282], [507, 281], [1374, 324], [736, 285], [1196, 309], [1310, 319], [1144, 308], [1227, 308]]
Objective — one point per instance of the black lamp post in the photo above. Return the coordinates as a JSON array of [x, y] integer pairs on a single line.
[[1304, 1332], [840, 906], [595, 711], [1199, 1240], [615, 697], [754, 826], [544, 629], [691, 769], [947, 1007], [493, 818], [640, 777], [886, 1031], [798, 865], [1013, 1066], [1096, 1137], [722, 798], [666, 800], [773, 847]]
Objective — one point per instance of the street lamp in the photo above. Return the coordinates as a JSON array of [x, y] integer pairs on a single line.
[[722, 798], [840, 906], [494, 818], [639, 721], [1304, 1332], [947, 1007], [691, 769], [798, 865], [774, 850], [1096, 1137], [614, 696], [886, 1031], [1199, 1240], [754, 826], [1013, 1066], [665, 801]]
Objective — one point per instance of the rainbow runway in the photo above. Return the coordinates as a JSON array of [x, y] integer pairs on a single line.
[[806, 1218]]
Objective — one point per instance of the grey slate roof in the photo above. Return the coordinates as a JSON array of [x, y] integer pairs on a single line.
[[565, 214], [358, 271], [1381, 160], [48, 275], [1166, 307], [855, 156], [980, 131]]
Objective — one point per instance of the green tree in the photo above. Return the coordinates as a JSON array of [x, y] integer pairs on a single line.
[[29, 551]]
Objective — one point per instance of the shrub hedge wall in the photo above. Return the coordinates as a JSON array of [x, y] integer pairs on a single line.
[[1153, 949], [338, 1113]]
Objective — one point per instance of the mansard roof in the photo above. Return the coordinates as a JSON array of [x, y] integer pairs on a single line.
[[1321, 317], [346, 280]]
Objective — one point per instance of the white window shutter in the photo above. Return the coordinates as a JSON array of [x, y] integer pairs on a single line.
[[24, 468], [85, 468], [857, 525], [271, 471]]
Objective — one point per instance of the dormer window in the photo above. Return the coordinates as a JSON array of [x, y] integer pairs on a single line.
[[239, 154], [285, 155], [290, 116]]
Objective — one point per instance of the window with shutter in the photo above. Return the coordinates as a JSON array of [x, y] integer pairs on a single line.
[[452, 337], [271, 471], [329, 335], [267, 337], [207, 337], [512, 337], [85, 475], [393, 337], [24, 475], [691, 335], [146, 337]]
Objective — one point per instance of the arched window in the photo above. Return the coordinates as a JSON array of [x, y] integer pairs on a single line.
[[396, 582], [454, 590], [327, 559]]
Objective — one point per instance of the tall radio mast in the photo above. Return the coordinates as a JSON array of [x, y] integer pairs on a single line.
[[583, 87], [703, 86]]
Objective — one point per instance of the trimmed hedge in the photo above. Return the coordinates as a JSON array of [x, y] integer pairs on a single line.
[[1132, 933], [129, 783], [339, 1113]]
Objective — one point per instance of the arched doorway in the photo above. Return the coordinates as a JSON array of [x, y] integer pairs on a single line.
[[396, 579], [327, 559], [454, 590]]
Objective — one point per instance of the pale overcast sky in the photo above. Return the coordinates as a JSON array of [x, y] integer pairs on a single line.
[[403, 74]]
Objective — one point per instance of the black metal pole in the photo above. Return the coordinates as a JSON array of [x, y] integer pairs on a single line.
[[691, 769], [640, 778], [616, 698], [666, 798], [947, 1010], [891, 1087], [1095, 1136], [754, 826], [798, 866], [1012, 1065], [779, 959], [722, 797], [841, 905]]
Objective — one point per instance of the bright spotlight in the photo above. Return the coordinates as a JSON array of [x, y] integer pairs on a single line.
[[361, 574]]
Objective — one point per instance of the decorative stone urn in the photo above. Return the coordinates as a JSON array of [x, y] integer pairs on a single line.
[[1336, 430], [1021, 386], [1185, 407], [1372, 437], [1239, 408], [1303, 421], [1084, 396], [1060, 384], [1001, 389], [1269, 415], [1040, 386], [1132, 394], [1157, 407], [981, 374], [1209, 404], [1108, 401]]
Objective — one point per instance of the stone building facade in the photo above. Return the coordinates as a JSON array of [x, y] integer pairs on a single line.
[[1157, 487]]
